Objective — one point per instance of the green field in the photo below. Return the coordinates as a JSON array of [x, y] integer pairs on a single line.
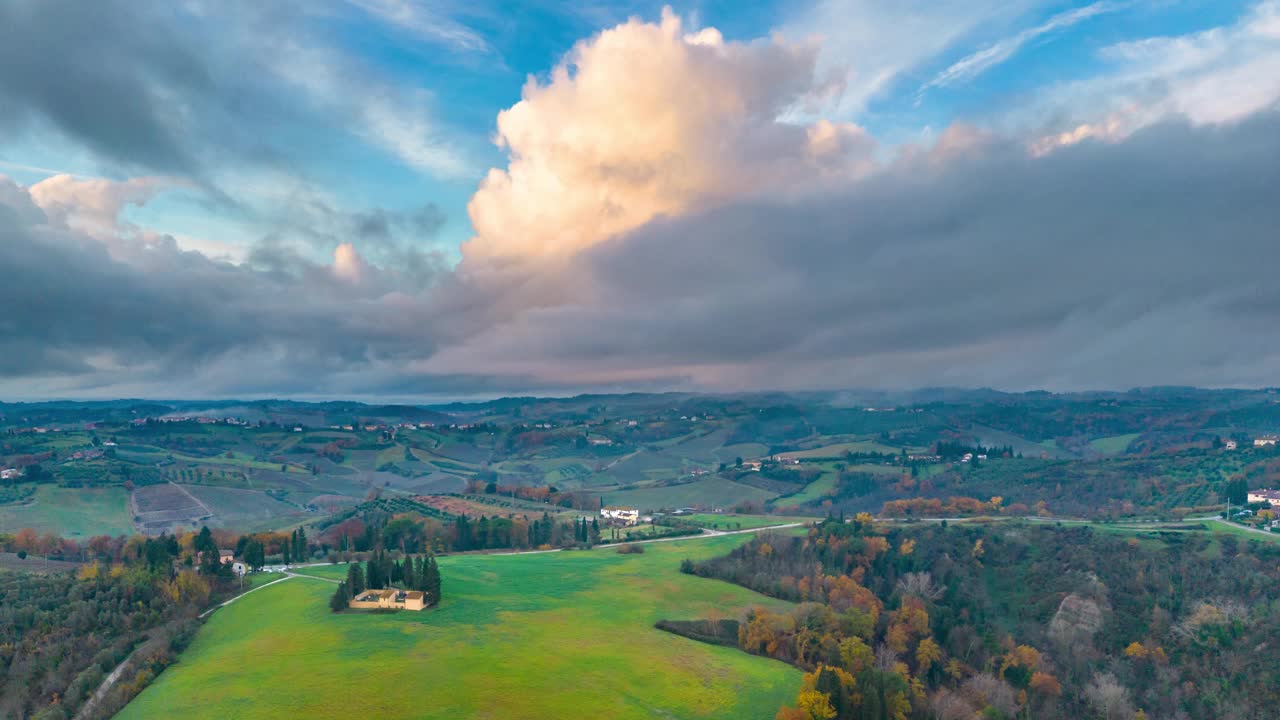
[[1229, 528], [237, 459], [730, 521], [839, 449], [815, 490], [553, 635], [71, 512], [1114, 445], [710, 491]]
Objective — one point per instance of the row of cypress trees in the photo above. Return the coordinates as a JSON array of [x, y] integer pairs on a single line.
[[415, 573]]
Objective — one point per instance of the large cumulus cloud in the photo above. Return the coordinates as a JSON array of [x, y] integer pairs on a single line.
[[650, 119]]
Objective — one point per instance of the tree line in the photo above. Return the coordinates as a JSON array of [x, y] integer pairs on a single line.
[[1010, 620]]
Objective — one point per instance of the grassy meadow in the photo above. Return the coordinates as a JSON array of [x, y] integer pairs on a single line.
[[71, 512], [730, 521], [1113, 445], [712, 490], [532, 636]]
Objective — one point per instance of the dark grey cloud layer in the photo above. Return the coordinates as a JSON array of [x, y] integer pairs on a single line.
[[148, 313], [1147, 261], [1101, 265], [98, 74], [200, 89]]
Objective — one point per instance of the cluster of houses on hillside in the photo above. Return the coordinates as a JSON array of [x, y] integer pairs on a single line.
[[631, 516], [621, 516], [1258, 442], [198, 419]]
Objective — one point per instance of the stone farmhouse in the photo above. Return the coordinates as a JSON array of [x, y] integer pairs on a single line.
[[389, 599], [1264, 496]]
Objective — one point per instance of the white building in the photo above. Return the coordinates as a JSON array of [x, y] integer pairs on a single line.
[[626, 516], [1232, 445], [10, 474], [1264, 496], [1265, 441]]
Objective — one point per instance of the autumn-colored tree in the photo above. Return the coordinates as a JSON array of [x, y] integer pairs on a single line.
[[856, 655], [1045, 684], [26, 540], [187, 588], [91, 571], [815, 705], [927, 653]]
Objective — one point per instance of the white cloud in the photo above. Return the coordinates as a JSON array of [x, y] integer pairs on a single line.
[[645, 120], [872, 43], [971, 66], [93, 205], [425, 22], [1213, 76], [397, 120], [347, 263]]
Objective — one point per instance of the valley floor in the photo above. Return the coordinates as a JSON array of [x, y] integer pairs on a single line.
[[536, 636]]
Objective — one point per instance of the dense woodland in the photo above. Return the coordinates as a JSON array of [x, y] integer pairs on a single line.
[[61, 633], [1009, 620]]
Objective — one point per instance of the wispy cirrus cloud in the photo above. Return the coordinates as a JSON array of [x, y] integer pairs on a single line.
[[873, 44], [1216, 75], [975, 64], [426, 21]]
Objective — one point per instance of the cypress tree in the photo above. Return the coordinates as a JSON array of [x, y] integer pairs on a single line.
[[407, 576], [397, 572], [432, 580], [462, 528], [341, 598], [206, 547], [286, 552], [355, 578]]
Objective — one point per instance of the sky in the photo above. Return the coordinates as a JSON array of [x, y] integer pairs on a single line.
[[415, 199]]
